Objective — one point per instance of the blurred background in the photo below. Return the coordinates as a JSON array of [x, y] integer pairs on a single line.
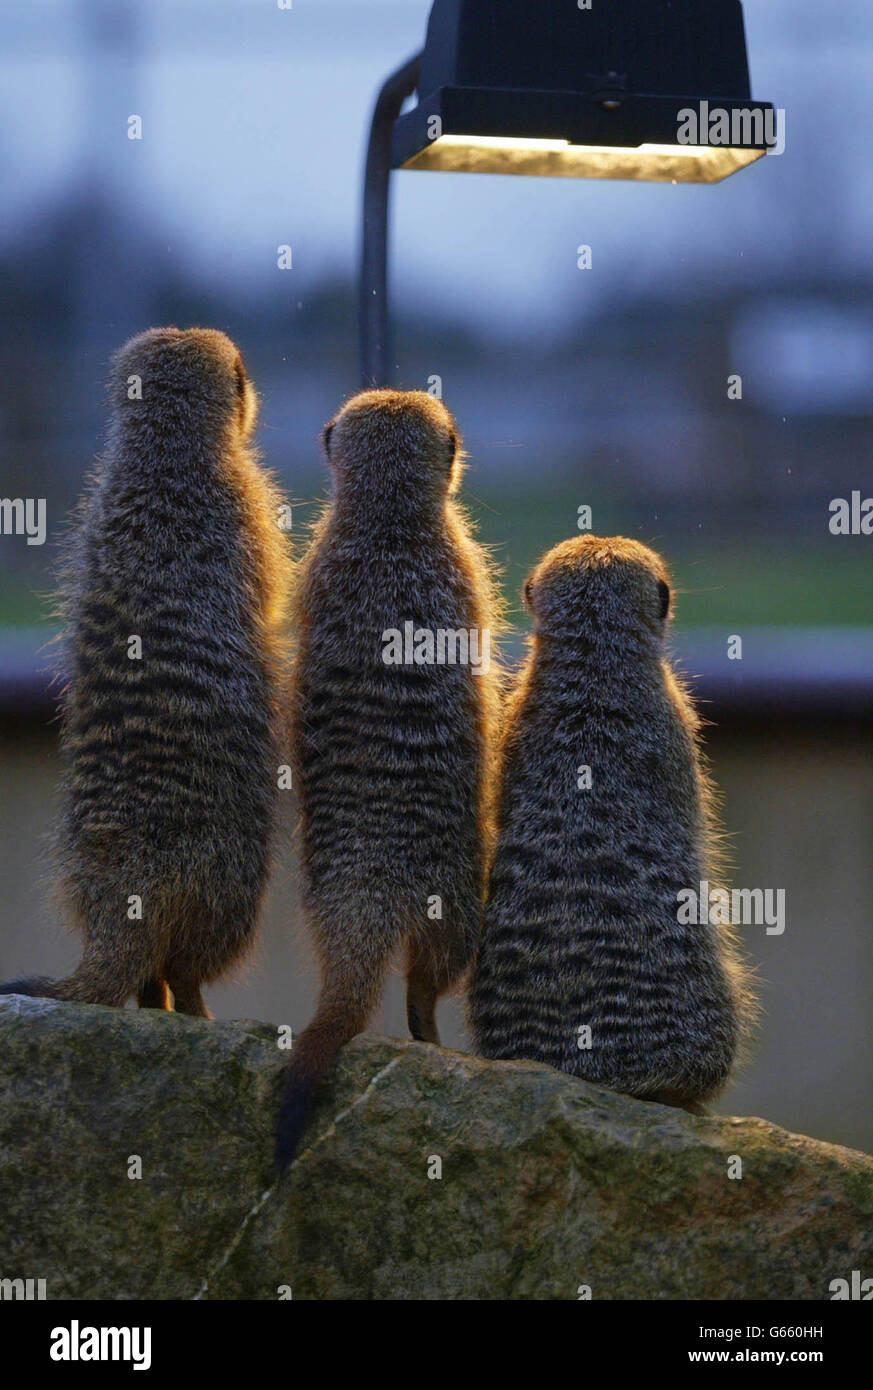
[[606, 387]]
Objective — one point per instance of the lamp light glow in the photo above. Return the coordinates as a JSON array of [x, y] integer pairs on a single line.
[[504, 154]]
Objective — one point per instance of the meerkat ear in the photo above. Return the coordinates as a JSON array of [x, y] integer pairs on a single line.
[[453, 445], [527, 591], [325, 437], [664, 595]]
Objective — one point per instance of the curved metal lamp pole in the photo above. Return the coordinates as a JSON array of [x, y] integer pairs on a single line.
[[373, 305]]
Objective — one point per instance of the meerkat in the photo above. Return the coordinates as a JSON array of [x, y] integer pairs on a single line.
[[391, 743], [174, 591], [605, 814]]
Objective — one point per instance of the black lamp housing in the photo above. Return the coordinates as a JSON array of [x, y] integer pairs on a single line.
[[640, 89], [625, 89]]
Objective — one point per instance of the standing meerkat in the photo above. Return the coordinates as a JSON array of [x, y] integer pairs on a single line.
[[581, 926], [174, 592], [391, 731]]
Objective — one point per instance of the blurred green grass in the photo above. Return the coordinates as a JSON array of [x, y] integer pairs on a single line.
[[720, 578], [21, 605], [770, 577]]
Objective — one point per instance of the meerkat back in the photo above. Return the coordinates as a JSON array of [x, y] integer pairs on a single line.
[[605, 816], [174, 596], [393, 702]]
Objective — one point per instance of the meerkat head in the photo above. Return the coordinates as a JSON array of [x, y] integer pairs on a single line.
[[593, 584], [193, 375], [401, 440]]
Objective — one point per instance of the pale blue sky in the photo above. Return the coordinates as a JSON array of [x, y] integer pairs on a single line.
[[254, 122]]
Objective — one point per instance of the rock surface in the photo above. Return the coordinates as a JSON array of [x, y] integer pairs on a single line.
[[547, 1184]]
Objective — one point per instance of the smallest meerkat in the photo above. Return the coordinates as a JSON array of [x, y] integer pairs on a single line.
[[606, 814]]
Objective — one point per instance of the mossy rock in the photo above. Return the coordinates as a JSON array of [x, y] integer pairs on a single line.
[[425, 1174]]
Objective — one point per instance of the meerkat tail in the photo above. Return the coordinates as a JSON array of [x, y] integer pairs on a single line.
[[90, 984], [108, 973], [37, 987], [336, 1022]]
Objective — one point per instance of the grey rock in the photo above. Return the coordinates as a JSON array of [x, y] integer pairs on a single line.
[[547, 1184]]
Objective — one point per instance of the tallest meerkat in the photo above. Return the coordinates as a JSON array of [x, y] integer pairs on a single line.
[[174, 597], [394, 698]]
